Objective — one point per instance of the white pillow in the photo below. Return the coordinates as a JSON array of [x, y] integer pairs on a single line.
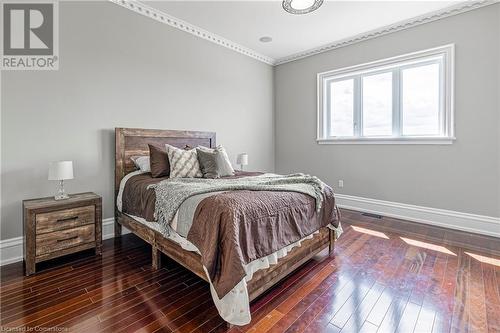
[[225, 167], [183, 163], [142, 163]]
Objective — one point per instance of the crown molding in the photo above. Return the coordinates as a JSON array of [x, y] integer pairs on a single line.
[[177, 23], [402, 25]]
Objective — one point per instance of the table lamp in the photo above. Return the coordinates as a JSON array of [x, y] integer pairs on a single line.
[[61, 170], [242, 160]]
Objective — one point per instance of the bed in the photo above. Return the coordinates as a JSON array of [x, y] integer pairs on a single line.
[[134, 142]]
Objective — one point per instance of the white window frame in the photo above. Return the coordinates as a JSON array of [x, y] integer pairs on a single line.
[[444, 55]]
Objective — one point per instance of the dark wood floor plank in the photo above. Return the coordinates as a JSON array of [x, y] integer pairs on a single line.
[[199, 318], [139, 296], [72, 278], [178, 309], [281, 292], [294, 320], [358, 318], [492, 297], [10, 314], [350, 307], [322, 319], [409, 317], [312, 311], [155, 325], [424, 278], [109, 313], [369, 284], [93, 280], [107, 293], [63, 273], [396, 256], [211, 325], [289, 318], [393, 315], [460, 319], [445, 300], [430, 288], [335, 303], [476, 296], [365, 294], [425, 320], [380, 308], [300, 276], [70, 319]]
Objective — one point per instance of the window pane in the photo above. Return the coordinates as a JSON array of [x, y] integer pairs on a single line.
[[421, 100], [377, 105], [342, 108]]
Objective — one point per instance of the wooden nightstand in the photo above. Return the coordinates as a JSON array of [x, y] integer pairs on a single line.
[[56, 228]]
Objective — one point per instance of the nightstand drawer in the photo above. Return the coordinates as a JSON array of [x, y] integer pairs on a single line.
[[64, 219], [60, 240]]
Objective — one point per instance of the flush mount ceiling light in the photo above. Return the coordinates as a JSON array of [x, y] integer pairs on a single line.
[[301, 6], [265, 39]]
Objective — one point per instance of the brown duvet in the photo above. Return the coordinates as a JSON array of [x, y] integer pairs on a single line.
[[139, 201], [234, 228]]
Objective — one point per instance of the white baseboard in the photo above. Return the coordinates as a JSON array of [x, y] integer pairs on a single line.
[[479, 224], [11, 250], [108, 228]]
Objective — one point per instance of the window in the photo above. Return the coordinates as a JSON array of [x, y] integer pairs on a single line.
[[405, 99]]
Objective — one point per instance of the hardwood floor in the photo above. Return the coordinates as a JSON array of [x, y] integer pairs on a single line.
[[386, 275]]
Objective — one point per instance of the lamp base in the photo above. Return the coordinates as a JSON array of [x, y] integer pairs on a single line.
[[61, 197], [61, 194]]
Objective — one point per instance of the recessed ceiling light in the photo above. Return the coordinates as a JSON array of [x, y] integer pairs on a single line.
[[265, 39], [301, 6]]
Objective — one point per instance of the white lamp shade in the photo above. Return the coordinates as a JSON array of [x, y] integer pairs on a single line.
[[61, 170], [242, 159]]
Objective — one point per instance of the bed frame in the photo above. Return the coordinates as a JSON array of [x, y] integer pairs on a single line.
[[133, 142]]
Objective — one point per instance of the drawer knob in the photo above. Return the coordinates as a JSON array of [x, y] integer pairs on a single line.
[[66, 239]]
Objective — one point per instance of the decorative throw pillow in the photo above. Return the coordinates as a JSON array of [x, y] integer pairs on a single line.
[[224, 165], [158, 160], [142, 163], [183, 163], [208, 163]]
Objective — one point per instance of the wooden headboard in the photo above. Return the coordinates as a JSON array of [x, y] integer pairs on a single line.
[[134, 142]]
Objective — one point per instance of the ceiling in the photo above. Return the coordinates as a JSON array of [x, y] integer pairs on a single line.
[[244, 22]]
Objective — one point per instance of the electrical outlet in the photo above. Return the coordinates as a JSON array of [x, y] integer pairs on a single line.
[[341, 183]]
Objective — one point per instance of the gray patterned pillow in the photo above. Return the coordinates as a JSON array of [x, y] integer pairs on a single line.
[[183, 163]]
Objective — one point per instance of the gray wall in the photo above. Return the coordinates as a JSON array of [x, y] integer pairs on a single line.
[[461, 177], [120, 69]]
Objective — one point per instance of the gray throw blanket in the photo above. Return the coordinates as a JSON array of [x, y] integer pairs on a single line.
[[171, 193]]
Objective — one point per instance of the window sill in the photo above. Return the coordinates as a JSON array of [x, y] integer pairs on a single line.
[[387, 141]]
